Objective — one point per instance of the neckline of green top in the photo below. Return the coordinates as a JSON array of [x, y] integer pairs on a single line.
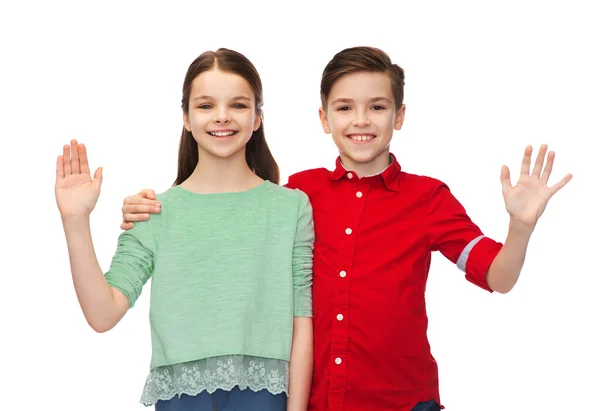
[[252, 191]]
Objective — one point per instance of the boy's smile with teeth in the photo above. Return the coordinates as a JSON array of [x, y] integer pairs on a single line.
[[361, 137]]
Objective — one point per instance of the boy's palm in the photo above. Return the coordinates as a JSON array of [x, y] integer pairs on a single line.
[[76, 191], [527, 200]]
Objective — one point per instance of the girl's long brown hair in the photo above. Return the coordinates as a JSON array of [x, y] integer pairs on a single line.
[[258, 156]]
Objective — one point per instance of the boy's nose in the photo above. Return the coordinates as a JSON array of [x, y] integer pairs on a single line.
[[361, 120]]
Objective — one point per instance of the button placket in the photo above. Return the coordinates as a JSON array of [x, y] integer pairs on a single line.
[[354, 204]]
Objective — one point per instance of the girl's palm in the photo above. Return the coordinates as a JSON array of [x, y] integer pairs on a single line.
[[76, 191]]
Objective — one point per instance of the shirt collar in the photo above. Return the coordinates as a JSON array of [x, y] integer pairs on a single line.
[[390, 175]]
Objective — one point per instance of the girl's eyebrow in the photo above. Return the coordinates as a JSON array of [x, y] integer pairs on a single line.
[[204, 97]]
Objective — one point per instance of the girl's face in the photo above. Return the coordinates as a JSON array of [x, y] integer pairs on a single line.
[[361, 116], [222, 113]]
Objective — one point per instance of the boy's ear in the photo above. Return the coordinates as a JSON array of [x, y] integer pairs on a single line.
[[186, 122], [399, 117], [324, 121]]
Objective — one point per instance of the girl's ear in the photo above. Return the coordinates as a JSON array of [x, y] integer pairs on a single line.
[[258, 120], [186, 122]]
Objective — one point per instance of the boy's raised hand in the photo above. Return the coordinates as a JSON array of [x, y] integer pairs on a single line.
[[76, 192], [527, 200]]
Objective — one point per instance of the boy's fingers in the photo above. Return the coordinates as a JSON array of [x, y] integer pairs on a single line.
[[136, 217], [126, 226], [148, 193], [138, 200], [138, 208]]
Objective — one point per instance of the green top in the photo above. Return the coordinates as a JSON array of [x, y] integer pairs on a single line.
[[229, 271]]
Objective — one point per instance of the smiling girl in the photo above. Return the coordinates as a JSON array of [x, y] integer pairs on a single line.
[[230, 256]]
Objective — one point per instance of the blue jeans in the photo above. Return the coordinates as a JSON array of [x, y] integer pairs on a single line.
[[234, 400], [427, 406]]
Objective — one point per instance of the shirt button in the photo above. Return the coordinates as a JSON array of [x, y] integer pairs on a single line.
[[340, 317], [348, 231], [342, 273], [358, 194], [338, 360], [349, 175]]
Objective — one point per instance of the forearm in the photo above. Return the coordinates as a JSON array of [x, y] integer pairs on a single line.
[[506, 267], [96, 297], [301, 364]]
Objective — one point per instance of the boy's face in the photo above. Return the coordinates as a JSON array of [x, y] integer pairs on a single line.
[[361, 116]]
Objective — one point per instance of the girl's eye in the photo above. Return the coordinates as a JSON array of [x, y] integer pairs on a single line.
[[204, 106], [239, 105]]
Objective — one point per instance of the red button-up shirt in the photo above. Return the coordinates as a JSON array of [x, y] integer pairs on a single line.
[[373, 242]]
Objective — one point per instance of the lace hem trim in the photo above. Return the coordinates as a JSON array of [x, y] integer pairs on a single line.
[[211, 374]]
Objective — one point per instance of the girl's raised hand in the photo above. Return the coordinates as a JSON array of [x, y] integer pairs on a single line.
[[76, 192]]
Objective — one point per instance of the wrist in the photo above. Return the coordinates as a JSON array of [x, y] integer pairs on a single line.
[[75, 221], [519, 228]]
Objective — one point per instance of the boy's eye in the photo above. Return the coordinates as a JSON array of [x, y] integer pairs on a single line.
[[378, 107], [204, 106], [343, 108]]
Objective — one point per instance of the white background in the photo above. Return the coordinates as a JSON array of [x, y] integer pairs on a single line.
[[482, 82]]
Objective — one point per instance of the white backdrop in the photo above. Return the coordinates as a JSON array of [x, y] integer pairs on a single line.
[[482, 82]]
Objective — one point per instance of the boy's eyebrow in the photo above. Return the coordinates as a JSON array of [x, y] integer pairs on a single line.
[[349, 100], [211, 98]]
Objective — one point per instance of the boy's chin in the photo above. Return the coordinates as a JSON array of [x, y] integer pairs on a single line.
[[361, 158]]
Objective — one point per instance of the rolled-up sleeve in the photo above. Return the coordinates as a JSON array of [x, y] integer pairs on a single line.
[[133, 262], [451, 231], [302, 258]]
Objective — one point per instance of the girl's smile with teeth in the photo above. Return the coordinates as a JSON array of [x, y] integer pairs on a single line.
[[224, 133]]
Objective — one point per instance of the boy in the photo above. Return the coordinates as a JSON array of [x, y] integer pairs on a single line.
[[376, 227]]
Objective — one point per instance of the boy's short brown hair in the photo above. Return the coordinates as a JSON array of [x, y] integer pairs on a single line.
[[357, 59]]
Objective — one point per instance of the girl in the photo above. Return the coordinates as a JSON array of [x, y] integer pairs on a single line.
[[230, 256]]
